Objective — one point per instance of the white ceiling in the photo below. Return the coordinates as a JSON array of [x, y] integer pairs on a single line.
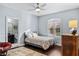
[[49, 8]]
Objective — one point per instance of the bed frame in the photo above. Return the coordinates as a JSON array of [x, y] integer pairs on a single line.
[[32, 44]]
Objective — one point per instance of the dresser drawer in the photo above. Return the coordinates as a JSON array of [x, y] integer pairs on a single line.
[[69, 50], [68, 42]]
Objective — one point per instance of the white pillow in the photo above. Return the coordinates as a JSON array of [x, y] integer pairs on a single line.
[[28, 33], [34, 35]]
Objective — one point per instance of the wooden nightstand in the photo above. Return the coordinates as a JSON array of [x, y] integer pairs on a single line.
[[70, 45]]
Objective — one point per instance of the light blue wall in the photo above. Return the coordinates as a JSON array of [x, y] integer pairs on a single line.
[[25, 21], [6, 12], [65, 16]]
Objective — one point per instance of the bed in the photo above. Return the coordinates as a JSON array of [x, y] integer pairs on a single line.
[[40, 41]]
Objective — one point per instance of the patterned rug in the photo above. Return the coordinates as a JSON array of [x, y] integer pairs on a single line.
[[22, 51]]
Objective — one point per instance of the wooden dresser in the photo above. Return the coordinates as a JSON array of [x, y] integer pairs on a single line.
[[70, 45]]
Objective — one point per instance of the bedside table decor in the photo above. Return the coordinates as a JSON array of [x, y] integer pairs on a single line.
[[73, 25]]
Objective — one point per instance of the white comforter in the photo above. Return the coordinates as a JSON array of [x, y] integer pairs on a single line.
[[44, 42]]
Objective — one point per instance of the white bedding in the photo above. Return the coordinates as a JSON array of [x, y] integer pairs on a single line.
[[44, 42]]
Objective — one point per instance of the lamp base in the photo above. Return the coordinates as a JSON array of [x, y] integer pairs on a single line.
[[74, 32]]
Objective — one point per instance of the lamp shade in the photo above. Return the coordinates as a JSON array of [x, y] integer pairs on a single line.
[[73, 23]]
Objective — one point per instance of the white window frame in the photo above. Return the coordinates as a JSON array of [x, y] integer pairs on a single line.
[[53, 23]]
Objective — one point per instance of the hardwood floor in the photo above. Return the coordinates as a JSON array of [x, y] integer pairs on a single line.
[[52, 51]]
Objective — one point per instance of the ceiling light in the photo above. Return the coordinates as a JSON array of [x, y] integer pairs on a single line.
[[38, 9]]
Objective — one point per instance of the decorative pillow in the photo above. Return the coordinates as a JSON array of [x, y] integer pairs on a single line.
[[34, 35], [28, 33]]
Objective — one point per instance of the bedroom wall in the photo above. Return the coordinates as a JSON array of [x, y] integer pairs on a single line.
[[65, 16], [4, 11], [25, 21]]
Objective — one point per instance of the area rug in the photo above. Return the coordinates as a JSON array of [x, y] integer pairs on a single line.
[[22, 51]]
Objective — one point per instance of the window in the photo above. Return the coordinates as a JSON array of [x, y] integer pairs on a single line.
[[54, 26]]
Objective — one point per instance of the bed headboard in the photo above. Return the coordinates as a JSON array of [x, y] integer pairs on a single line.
[[25, 37]]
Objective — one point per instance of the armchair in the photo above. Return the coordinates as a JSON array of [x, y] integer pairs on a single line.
[[4, 47]]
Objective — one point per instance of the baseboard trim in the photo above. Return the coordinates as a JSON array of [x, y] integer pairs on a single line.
[[58, 44], [17, 46]]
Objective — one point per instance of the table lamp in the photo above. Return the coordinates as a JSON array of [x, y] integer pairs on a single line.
[[73, 25]]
